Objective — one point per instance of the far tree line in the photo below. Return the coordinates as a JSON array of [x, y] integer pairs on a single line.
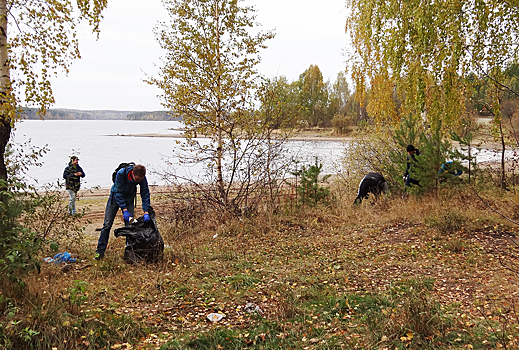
[[76, 114], [319, 103]]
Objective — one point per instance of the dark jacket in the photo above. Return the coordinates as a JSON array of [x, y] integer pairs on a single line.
[[124, 189], [371, 183], [410, 160], [72, 182]]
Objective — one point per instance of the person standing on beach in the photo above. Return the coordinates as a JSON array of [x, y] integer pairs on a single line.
[[122, 195], [72, 175]]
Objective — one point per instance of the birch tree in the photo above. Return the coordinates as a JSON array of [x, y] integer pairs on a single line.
[[37, 39], [421, 51], [208, 74]]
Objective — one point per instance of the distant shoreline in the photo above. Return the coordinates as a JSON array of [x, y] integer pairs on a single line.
[[77, 114], [294, 138]]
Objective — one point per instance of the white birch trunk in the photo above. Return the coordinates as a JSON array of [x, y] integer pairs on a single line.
[[5, 90]]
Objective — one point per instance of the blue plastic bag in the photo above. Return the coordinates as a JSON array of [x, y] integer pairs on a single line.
[[61, 258]]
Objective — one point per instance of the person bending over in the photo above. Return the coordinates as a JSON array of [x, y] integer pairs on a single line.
[[122, 195], [371, 183]]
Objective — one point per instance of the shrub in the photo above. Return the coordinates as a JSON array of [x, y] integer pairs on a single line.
[[342, 124], [30, 219], [310, 192], [19, 245], [446, 222], [370, 151]]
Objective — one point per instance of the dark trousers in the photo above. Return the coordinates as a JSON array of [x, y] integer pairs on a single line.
[[409, 181], [110, 212]]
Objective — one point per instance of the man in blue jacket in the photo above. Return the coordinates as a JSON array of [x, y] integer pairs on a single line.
[[72, 175], [122, 195]]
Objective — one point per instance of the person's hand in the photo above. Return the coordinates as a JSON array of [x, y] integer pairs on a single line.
[[126, 215], [146, 217]]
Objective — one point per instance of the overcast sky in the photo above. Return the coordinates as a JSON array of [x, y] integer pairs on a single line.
[[110, 73]]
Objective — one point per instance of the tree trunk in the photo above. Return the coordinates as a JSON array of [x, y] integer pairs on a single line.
[[5, 132], [219, 160], [470, 162], [5, 90], [503, 147], [219, 149]]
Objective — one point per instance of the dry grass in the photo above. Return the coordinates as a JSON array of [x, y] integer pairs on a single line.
[[422, 273]]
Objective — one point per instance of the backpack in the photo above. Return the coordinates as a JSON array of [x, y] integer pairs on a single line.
[[121, 166]]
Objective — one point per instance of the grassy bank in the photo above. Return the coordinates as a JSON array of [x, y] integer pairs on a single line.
[[427, 273]]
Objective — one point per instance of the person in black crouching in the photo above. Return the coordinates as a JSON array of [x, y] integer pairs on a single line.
[[371, 183]]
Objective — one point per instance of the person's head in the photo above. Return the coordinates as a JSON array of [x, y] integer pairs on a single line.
[[139, 172], [411, 150], [74, 160]]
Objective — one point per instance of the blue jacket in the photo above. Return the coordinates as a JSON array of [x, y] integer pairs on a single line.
[[448, 166], [124, 189]]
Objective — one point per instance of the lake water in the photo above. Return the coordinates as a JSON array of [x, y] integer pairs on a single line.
[[100, 148]]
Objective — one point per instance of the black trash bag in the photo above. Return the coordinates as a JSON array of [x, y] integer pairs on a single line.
[[143, 240]]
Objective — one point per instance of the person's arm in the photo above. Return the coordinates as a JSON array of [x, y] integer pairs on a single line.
[[118, 188], [408, 166], [66, 173], [145, 195], [82, 171]]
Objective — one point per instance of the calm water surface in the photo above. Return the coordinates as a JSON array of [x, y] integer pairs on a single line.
[[100, 149]]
